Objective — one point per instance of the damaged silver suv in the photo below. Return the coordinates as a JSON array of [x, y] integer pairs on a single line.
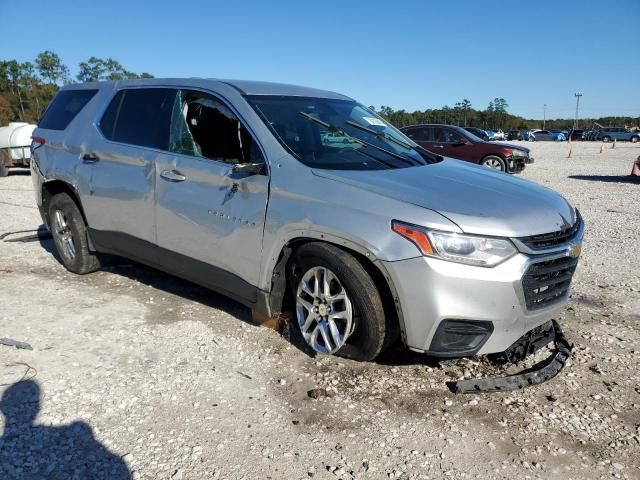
[[284, 197]]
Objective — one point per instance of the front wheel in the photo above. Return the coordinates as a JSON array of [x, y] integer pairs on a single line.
[[338, 307], [634, 139], [606, 139], [494, 162], [69, 234]]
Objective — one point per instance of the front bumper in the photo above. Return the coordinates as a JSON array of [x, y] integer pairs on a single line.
[[539, 373], [517, 164], [432, 291]]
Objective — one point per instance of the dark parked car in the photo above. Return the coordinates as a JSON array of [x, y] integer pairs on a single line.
[[514, 135], [456, 142], [577, 134]]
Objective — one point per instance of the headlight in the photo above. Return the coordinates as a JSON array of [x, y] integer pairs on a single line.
[[518, 153], [454, 247]]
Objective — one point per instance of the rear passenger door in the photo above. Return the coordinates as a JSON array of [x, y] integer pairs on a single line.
[[423, 136], [204, 210], [135, 131]]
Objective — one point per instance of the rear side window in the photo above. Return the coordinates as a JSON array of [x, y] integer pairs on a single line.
[[420, 134], [140, 116], [64, 108]]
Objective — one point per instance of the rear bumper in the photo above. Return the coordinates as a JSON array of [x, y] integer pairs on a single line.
[[483, 310]]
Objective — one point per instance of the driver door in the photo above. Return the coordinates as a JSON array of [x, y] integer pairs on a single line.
[[209, 215]]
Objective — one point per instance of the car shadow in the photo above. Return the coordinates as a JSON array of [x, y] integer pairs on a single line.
[[172, 285], [31, 450], [607, 178], [283, 323]]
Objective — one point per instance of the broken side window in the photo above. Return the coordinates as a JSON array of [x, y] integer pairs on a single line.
[[203, 126]]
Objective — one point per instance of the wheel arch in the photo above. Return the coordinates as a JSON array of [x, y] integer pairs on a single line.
[[277, 294], [54, 187]]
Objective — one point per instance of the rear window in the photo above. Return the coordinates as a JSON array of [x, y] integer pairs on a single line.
[[140, 117], [64, 108]]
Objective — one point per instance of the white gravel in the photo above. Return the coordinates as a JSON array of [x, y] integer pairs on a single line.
[[176, 382]]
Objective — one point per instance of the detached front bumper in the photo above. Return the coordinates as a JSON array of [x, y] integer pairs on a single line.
[[453, 310], [517, 164], [539, 373]]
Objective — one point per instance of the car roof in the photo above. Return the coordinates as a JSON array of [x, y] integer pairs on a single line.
[[245, 87]]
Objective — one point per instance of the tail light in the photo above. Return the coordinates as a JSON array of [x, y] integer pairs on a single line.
[[37, 142]]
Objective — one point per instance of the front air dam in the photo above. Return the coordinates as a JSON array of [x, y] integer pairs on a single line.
[[537, 374]]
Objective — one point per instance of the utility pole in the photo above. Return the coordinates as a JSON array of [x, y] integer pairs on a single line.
[[544, 116], [577, 95]]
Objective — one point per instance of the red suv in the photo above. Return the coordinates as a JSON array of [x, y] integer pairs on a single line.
[[455, 142]]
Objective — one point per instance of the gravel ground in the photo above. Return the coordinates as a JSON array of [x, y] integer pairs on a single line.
[[137, 373]]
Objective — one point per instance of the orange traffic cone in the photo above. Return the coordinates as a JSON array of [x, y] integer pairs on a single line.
[[635, 170], [601, 149], [614, 143], [570, 147]]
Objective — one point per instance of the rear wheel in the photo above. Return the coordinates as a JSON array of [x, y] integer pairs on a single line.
[[606, 139], [494, 162], [69, 234], [634, 139], [338, 307]]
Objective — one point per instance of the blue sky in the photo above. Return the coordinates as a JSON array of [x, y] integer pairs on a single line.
[[405, 54]]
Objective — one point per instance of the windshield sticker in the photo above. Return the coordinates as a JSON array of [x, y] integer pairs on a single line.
[[374, 121]]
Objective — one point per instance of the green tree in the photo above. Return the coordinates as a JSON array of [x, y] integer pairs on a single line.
[[51, 68], [91, 71], [96, 69]]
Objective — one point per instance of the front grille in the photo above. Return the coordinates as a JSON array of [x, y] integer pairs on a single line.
[[546, 283], [548, 240]]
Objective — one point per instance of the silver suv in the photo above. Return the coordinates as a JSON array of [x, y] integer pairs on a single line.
[[288, 198], [615, 133]]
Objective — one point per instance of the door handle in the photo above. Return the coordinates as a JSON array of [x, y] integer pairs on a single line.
[[173, 176], [438, 146], [90, 158]]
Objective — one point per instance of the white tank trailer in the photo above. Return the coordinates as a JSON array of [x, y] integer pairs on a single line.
[[15, 146]]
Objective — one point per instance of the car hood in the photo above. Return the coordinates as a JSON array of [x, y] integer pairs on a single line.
[[511, 146], [479, 200]]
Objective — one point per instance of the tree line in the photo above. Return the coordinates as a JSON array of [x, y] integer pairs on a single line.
[[26, 88], [494, 117]]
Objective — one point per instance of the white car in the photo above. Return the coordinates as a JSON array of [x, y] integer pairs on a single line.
[[499, 135]]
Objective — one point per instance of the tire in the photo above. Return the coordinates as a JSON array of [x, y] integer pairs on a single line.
[[494, 162], [634, 139], [4, 171], [371, 332], [69, 234], [606, 139]]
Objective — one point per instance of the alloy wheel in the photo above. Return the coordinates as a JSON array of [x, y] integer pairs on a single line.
[[64, 235], [492, 163], [323, 310]]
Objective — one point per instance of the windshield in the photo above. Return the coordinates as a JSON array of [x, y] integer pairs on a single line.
[[337, 134]]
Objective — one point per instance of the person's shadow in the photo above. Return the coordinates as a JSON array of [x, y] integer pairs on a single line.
[[31, 451]]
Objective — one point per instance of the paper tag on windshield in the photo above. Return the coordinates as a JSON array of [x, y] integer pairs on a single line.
[[374, 121]]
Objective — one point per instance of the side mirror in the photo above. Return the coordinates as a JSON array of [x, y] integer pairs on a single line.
[[250, 168]]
